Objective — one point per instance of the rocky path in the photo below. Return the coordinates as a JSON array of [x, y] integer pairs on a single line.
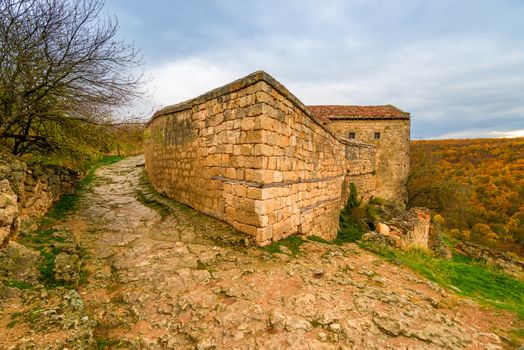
[[166, 277]]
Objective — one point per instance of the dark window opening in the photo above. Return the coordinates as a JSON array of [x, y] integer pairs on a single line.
[[377, 135], [351, 136]]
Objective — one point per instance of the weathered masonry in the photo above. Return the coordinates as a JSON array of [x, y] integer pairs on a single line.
[[251, 154], [386, 127]]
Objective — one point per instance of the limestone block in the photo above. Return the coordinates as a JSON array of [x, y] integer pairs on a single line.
[[240, 174], [231, 173], [8, 204], [264, 234], [245, 204], [239, 190], [382, 228], [248, 123], [261, 207], [257, 193], [262, 150], [252, 136], [230, 211], [254, 110], [251, 218], [264, 176]]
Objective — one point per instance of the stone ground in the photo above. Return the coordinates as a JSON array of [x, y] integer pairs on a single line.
[[172, 278]]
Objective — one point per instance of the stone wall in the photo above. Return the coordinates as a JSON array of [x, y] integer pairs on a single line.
[[503, 260], [29, 191], [421, 223], [251, 154], [405, 229], [43, 187], [392, 157], [360, 165]]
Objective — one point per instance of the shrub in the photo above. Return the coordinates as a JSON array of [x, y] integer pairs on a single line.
[[355, 217]]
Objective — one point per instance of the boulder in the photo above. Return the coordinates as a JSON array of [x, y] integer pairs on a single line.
[[382, 228], [8, 211]]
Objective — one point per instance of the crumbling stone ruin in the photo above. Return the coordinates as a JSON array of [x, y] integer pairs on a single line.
[[251, 154], [408, 228], [29, 191]]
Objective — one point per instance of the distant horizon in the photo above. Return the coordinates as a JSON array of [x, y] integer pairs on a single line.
[[515, 134], [470, 138]]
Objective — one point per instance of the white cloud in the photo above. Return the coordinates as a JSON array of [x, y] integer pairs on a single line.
[[458, 68], [454, 87], [181, 80]]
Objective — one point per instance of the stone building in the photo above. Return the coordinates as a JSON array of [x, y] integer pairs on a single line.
[[251, 154], [386, 127]]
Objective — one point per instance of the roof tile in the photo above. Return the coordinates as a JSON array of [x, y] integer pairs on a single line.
[[327, 112]]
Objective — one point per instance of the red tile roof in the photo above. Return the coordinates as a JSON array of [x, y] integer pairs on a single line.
[[325, 113]]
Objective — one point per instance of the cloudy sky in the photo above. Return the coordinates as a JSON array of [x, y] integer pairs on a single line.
[[457, 66]]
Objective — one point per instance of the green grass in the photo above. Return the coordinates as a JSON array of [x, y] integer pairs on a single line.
[[16, 314], [354, 217], [34, 314], [109, 343], [17, 284], [516, 337], [319, 240], [47, 267], [45, 241], [68, 203], [467, 277], [350, 231], [39, 239], [292, 242]]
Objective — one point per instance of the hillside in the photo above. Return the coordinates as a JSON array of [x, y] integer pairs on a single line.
[[476, 185], [127, 268]]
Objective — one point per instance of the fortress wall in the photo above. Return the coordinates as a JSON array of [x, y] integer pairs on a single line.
[[305, 172], [392, 155], [360, 160], [191, 147], [251, 154]]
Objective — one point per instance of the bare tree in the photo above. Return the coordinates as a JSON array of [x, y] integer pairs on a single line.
[[62, 73]]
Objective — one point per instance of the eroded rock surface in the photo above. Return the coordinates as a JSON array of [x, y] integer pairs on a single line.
[[175, 279]]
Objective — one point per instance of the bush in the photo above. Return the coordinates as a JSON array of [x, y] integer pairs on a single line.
[[355, 217]]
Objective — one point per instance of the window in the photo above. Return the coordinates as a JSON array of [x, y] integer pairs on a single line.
[[377, 136], [351, 136]]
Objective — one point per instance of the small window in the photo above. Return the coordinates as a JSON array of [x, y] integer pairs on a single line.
[[351, 136], [377, 136]]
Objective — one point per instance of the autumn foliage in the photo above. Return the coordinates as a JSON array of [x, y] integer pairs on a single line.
[[476, 187]]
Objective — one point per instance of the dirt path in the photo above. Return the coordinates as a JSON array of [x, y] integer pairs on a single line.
[[185, 281]]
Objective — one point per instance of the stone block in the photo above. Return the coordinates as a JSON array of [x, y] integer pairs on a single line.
[[247, 123], [261, 206], [252, 136], [251, 218], [262, 150], [263, 176], [264, 234], [231, 173], [382, 228], [254, 110], [257, 193], [249, 229], [239, 190]]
